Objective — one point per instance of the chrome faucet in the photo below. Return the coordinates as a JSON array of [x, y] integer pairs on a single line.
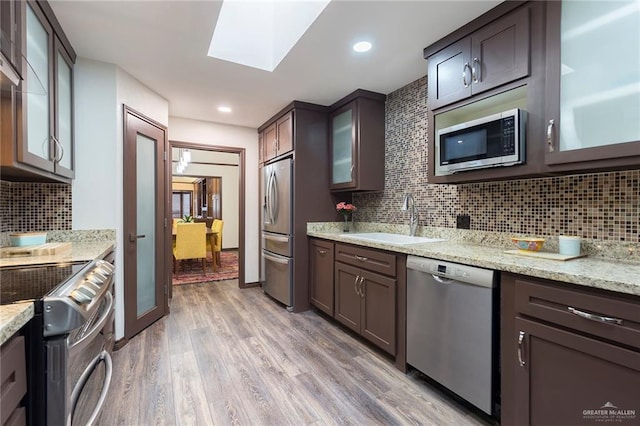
[[413, 212]]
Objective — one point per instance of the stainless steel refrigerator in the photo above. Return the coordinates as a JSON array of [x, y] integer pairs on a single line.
[[277, 230]]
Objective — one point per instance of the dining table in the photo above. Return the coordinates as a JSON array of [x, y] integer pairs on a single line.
[[213, 239]]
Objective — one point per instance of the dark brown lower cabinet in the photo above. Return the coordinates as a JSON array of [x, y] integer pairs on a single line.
[[570, 355], [13, 375], [321, 275], [564, 378], [366, 303]]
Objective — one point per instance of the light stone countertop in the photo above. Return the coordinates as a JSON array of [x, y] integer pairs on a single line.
[[85, 246], [80, 251], [13, 317], [617, 275]]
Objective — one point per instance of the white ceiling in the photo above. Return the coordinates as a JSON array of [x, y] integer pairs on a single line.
[[164, 45]]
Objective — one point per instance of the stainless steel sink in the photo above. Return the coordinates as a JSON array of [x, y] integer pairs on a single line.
[[394, 239]]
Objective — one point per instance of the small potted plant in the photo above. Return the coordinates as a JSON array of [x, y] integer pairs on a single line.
[[346, 209], [186, 219]]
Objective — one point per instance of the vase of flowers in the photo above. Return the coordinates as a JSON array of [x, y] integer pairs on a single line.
[[346, 209]]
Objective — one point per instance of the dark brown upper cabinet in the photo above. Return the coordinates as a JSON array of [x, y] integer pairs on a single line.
[[592, 105], [357, 142], [509, 43], [37, 115], [490, 57], [277, 139], [9, 40]]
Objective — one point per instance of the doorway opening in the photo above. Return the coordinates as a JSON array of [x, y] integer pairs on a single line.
[[208, 185]]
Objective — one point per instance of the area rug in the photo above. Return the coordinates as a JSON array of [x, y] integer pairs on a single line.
[[190, 272]]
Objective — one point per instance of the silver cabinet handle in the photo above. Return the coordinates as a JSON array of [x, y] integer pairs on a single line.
[[134, 237], [520, 341], [355, 285], [550, 143], [362, 287], [592, 317], [322, 252], [464, 73], [361, 258], [58, 145], [476, 73], [352, 168]]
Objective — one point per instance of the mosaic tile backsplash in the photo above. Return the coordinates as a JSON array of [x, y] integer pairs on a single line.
[[604, 206], [26, 206]]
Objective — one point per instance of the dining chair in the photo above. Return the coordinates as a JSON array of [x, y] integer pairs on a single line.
[[190, 243], [216, 226]]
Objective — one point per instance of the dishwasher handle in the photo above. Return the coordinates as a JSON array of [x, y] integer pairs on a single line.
[[441, 280]]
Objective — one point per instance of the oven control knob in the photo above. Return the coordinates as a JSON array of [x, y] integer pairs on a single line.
[[105, 266], [80, 297], [95, 279], [87, 290]]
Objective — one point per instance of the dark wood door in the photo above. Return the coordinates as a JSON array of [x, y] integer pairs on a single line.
[[347, 303], [284, 132], [500, 51], [145, 218], [449, 75], [321, 275], [378, 315], [570, 379]]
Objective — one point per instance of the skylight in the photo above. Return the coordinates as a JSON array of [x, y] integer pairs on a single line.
[[260, 33]]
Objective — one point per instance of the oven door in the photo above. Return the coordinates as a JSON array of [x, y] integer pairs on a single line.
[[80, 370]]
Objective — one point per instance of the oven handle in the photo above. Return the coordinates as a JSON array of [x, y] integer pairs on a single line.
[[77, 390], [97, 328]]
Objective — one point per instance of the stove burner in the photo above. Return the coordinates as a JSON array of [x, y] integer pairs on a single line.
[[34, 282]]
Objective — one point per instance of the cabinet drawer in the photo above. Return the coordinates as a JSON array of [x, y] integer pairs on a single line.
[[372, 260], [13, 376], [614, 318]]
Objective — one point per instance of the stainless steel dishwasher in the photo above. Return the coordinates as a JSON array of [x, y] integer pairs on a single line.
[[452, 328]]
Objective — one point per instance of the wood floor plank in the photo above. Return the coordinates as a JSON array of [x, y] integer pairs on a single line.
[[227, 356], [191, 406]]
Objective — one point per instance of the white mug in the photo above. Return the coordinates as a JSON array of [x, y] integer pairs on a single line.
[[569, 245]]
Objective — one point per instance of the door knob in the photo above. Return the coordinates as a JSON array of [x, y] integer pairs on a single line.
[[134, 237]]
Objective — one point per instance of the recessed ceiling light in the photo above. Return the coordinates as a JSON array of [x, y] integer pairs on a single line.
[[362, 46], [224, 109]]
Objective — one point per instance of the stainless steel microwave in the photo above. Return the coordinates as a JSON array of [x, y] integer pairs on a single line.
[[493, 141]]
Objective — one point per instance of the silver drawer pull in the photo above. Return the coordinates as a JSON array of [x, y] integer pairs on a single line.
[[361, 258], [592, 317], [322, 251], [520, 340]]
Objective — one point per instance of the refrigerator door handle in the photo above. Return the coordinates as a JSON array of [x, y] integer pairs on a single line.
[[268, 196], [276, 239], [275, 259], [274, 200]]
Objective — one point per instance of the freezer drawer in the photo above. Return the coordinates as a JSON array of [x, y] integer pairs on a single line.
[[278, 244], [278, 277]]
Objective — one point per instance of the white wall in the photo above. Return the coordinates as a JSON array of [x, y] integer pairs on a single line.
[[95, 188], [100, 91], [206, 133]]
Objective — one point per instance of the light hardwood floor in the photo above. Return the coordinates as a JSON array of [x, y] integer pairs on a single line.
[[231, 356]]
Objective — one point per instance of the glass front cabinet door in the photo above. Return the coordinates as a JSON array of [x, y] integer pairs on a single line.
[[342, 147], [593, 85]]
